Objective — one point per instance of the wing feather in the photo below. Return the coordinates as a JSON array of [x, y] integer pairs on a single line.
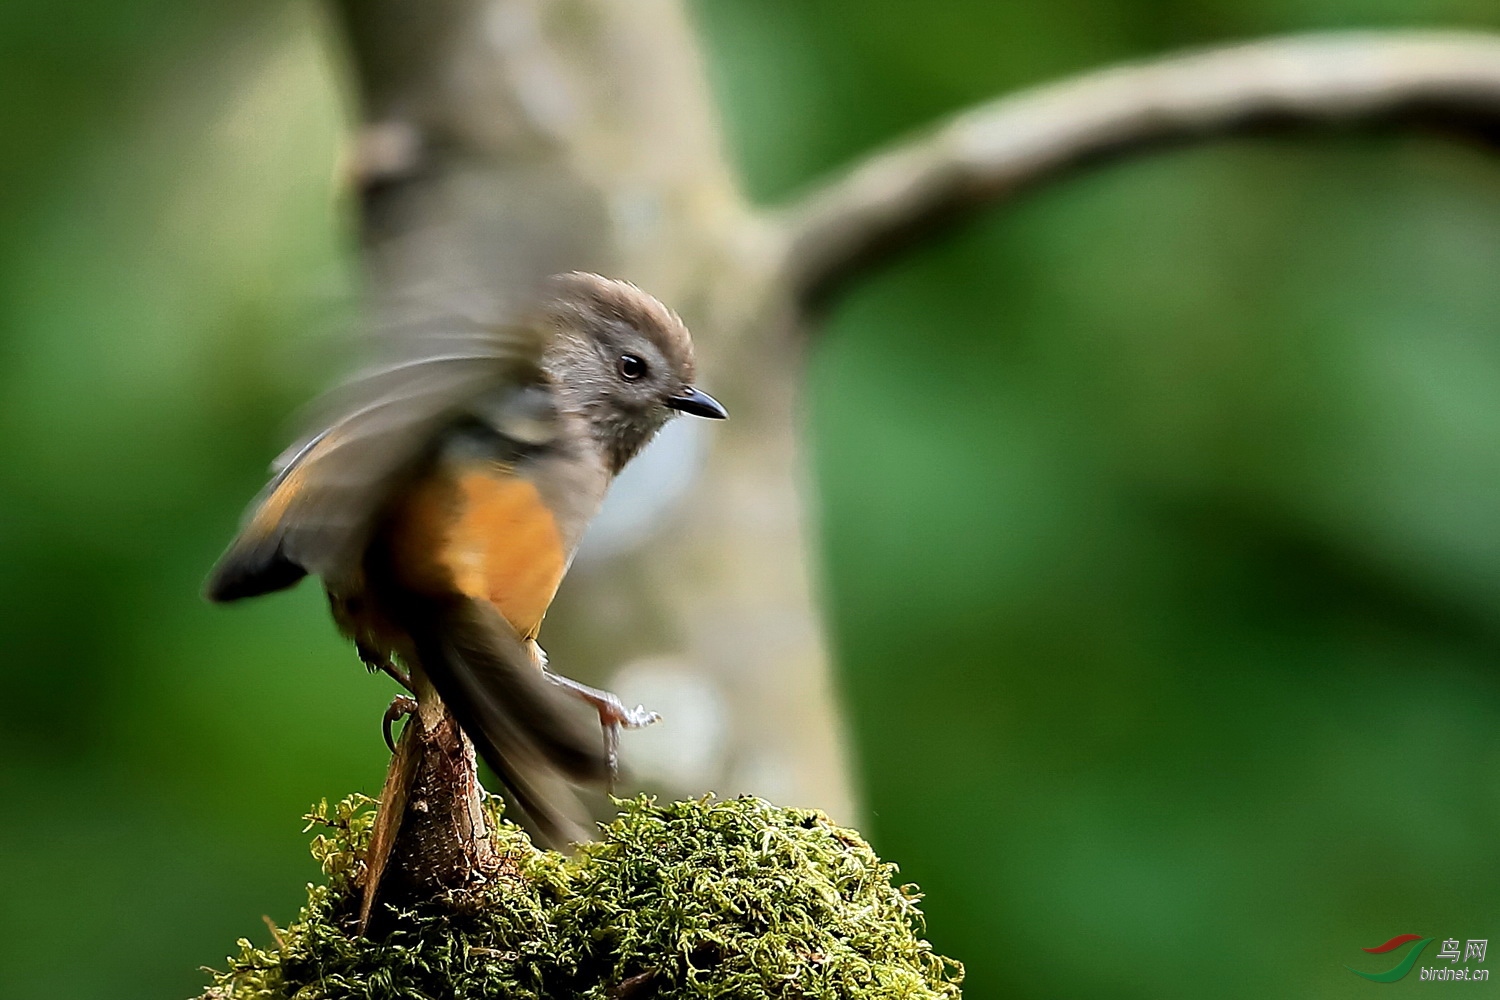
[[316, 514]]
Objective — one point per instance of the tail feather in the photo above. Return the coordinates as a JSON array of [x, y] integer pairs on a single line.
[[526, 729]]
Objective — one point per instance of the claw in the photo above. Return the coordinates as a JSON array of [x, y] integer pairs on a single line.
[[379, 662], [638, 718], [611, 752], [400, 706], [613, 717]]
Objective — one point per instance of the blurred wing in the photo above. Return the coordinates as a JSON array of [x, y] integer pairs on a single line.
[[316, 514]]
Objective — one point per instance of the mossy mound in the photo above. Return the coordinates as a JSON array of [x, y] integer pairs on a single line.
[[704, 898]]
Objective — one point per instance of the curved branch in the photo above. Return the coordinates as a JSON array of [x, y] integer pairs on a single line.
[[989, 153]]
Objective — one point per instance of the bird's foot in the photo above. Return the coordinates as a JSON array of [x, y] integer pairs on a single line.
[[401, 706], [613, 716]]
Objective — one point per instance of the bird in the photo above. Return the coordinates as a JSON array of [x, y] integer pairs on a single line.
[[441, 496]]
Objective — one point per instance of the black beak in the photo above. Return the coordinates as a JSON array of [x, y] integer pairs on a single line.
[[698, 403]]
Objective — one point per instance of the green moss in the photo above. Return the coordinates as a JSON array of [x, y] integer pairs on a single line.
[[704, 898]]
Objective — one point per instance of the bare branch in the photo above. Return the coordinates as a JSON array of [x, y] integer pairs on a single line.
[[989, 153]]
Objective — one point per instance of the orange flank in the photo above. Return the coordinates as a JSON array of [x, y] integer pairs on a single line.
[[487, 534]]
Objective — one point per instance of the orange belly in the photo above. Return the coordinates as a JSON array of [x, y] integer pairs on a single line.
[[487, 534]]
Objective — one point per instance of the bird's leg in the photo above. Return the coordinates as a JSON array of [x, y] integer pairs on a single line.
[[612, 710], [400, 707], [400, 676], [381, 662], [613, 715]]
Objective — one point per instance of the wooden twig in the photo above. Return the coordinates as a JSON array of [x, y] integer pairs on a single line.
[[628, 989], [431, 835]]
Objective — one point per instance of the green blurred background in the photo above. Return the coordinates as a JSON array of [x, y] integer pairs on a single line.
[[1161, 510]]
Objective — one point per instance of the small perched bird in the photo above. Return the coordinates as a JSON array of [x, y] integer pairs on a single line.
[[442, 499]]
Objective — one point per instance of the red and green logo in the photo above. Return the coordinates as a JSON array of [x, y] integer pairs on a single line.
[[1452, 951], [1402, 967]]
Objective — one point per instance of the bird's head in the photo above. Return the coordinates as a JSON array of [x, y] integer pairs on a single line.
[[622, 361]]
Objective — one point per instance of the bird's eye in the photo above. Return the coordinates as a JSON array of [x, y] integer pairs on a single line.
[[631, 367]]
